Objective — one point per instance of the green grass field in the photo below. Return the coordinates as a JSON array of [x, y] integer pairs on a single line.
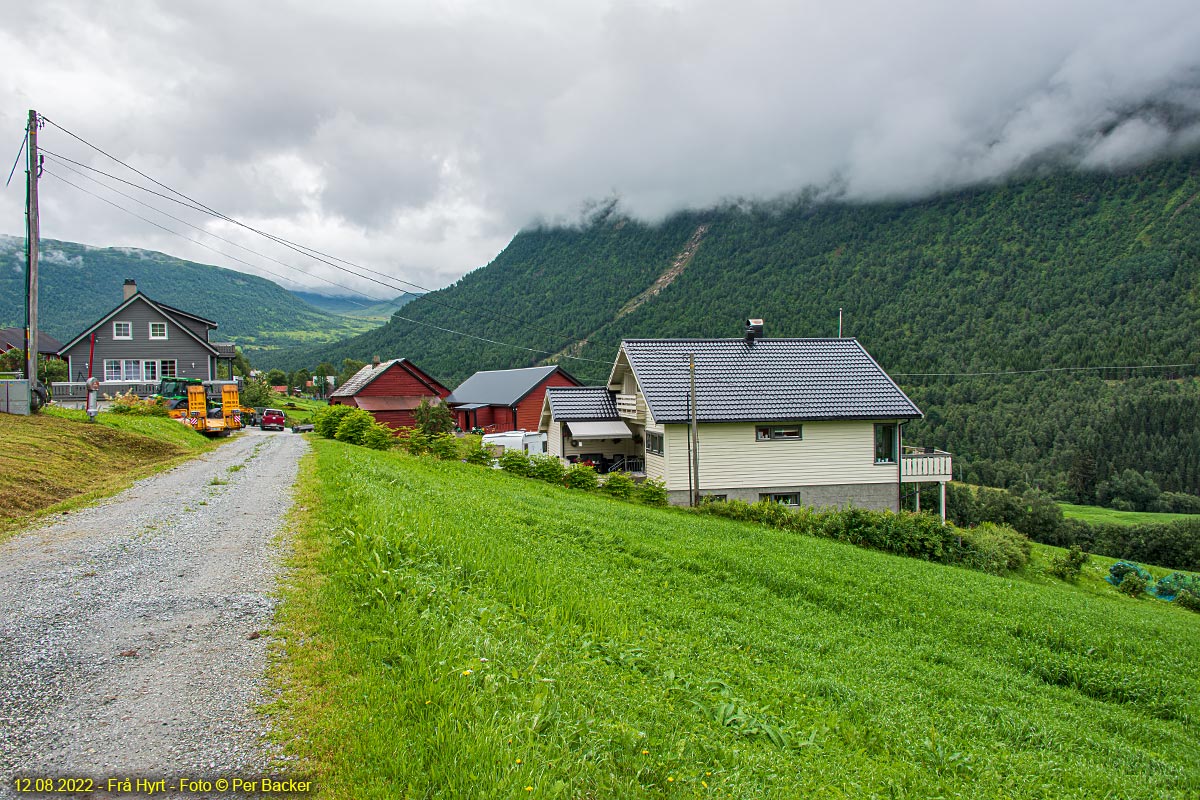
[[1097, 515], [453, 631]]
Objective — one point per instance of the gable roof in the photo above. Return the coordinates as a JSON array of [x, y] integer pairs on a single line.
[[581, 403], [361, 379], [166, 311], [14, 338], [772, 379], [503, 387]]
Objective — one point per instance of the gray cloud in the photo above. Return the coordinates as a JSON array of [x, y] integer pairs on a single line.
[[416, 138]]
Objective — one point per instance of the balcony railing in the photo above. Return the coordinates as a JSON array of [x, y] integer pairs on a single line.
[[68, 390], [629, 407], [925, 464]]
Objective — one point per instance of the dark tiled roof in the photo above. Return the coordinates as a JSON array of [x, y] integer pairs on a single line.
[[500, 387], [773, 379], [581, 403], [15, 338], [174, 311]]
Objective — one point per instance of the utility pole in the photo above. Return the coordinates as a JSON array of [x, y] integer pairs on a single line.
[[839, 323], [32, 233], [695, 435]]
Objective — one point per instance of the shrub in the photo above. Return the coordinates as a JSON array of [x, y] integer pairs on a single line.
[[378, 437], [433, 418], [652, 492], [1068, 565], [1169, 587], [353, 426], [444, 446], [417, 443], [130, 403], [326, 420], [580, 476], [1189, 600], [480, 456], [994, 548], [547, 468], [1180, 502], [619, 485], [1133, 585], [515, 462]]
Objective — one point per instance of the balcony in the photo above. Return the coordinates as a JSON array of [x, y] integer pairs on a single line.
[[632, 407], [926, 465]]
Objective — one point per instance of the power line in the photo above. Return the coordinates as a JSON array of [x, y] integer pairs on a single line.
[[221, 238], [255, 266], [1031, 371], [302, 249]]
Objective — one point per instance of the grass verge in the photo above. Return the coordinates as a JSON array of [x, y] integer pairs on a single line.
[[55, 461], [451, 631]]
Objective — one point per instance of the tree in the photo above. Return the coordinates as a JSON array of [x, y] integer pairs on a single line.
[[256, 392], [350, 368], [276, 377], [433, 418]]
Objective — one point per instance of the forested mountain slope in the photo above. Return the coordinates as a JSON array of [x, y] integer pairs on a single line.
[[1061, 270], [78, 284]]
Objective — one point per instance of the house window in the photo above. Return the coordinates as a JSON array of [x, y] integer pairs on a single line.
[[150, 370], [787, 499], [131, 369], [158, 330], [654, 443], [885, 443], [122, 330], [112, 369], [764, 433], [167, 369]]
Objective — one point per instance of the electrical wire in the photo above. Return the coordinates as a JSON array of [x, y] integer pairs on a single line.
[[259, 267], [1032, 371], [227, 241], [302, 249]]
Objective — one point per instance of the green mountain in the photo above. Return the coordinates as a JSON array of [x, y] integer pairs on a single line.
[[78, 284], [375, 311], [1049, 272]]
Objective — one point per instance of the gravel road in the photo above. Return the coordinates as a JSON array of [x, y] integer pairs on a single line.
[[129, 631]]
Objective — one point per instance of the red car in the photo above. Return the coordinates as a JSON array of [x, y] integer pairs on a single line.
[[272, 419]]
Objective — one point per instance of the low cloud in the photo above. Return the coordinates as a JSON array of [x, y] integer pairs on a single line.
[[416, 141]]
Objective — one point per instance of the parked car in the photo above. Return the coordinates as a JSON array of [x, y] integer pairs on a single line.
[[272, 419]]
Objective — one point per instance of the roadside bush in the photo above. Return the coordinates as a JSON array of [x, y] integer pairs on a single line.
[[652, 492], [326, 420], [480, 456], [130, 403], [547, 468], [580, 476], [618, 485], [444, 446], [993, 548], [415, 442], [353, 426], [378, 437], [515, 462], [1068, 565]]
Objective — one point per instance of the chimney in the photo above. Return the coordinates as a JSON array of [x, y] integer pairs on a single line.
[[130, 288], [375, 361], [754, 330]]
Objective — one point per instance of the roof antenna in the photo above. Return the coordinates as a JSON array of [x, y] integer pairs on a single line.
[[839, 322]]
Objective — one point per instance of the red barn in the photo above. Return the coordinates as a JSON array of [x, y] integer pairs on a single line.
[[506, 399], [390, 390]]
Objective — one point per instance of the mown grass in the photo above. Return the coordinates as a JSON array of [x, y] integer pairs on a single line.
[[1099, 515], [452, 631], [56, 460]]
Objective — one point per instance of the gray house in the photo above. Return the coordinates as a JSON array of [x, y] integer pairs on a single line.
[[140, 342]]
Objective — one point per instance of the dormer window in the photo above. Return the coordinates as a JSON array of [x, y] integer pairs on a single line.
[[158, 330], [122, 330]]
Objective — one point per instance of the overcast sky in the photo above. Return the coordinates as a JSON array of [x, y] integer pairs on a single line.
[[417, 138]]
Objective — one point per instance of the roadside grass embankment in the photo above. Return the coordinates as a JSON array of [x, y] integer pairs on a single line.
[[454, 631], [56, 460]]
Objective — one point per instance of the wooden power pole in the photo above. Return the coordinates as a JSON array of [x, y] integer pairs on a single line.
[[32, 232]]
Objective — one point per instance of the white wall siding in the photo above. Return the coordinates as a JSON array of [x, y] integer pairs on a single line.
[[554, 439], [831, 453]]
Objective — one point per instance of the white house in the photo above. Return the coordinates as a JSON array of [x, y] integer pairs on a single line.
[[812, 422]]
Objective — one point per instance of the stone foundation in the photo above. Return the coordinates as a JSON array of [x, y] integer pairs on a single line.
[[871, 496]]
